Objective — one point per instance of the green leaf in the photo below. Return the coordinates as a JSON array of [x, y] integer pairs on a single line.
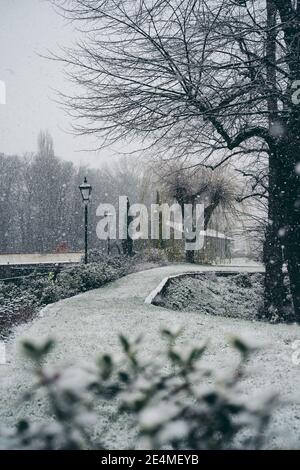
[[171, 335], [210, 398], [196, 354], [47, 347], [22, 426], [124, 377], [125, 343], [175, 357], [106, 365], [29, 348], [243, 348], [35, 351]]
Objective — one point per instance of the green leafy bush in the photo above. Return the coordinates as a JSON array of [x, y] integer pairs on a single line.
[[175, 400]]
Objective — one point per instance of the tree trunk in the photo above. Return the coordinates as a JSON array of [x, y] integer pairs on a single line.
[[127, 243], [290, 161], [291, 224], [283, 238], [293, 260], [160, 242], [274, 290], [190, 256]]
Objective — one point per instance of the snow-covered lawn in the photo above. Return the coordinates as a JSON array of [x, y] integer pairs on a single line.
[[89, 323]]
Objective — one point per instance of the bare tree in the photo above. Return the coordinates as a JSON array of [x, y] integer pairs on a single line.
[[205, 78], [219, 192], [10, 227]]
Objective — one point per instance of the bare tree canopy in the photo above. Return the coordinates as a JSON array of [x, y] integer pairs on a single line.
[[193, 73]]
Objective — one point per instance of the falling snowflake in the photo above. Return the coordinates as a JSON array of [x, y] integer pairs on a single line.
[[277, 129]]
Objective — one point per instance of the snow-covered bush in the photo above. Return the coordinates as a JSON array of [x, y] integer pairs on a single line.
[[154, 255], [36, 285], [93, 275], [16, 306], [175, 253], [97, 256], [51, 293], [239, 295], [245, 280], [20, 303], [174, 400], [70, 282]]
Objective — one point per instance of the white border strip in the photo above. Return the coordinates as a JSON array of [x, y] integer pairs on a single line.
[[162, 284]]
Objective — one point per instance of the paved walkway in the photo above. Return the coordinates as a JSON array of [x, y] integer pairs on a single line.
[[88, 324]]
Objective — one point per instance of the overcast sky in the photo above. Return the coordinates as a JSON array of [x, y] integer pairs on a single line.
[[29, 28]]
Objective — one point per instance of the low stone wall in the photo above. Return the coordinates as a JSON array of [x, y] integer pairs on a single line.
[[19, 270]]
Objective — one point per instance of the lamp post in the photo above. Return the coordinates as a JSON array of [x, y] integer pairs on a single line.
[[85, 189]]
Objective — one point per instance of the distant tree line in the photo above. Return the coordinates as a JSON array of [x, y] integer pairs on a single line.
[[40, 203]]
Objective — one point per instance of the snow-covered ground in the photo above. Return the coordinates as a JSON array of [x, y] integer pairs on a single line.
[[89, 323]]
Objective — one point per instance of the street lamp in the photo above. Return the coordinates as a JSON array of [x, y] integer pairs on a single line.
[[85, 189]]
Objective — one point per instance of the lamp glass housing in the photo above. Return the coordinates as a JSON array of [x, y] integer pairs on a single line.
[[86, 190]]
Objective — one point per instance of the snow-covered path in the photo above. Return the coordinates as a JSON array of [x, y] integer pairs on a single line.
[[89, 323]]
